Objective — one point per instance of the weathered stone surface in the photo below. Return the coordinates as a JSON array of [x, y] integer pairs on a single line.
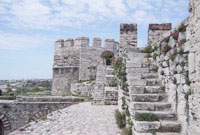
[[146, 126], [80, 119]]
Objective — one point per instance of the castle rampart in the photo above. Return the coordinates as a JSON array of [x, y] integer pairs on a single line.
[[128, 37], [77, 61], [157, 31]]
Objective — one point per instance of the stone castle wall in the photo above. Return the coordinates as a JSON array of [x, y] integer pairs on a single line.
[[194, 64], [179, 69], [128, 37], [66, 65], [76, 61], [157, 31], [170, 54]]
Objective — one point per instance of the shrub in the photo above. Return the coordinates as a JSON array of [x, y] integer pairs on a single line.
[[108, 56], [182, 64], [187, 81], [166, 39], [166, 48], [187, 95], [147, 49], [127, 131], [182, 41], [118, 67], [182, 28], [146, 117], [168, 63], [175, 35], [174, 81], [162, 72], [120, 119], [127, 112], [181, 51], [172, 57], [155, 48], [148, 55], [153, 132], [175, 72], [155, 68], [154, 56]]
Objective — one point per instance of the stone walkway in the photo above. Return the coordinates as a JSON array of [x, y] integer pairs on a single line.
[[79, 119]]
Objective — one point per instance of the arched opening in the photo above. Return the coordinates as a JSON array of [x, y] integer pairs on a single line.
[[1, 128], [108, 57]]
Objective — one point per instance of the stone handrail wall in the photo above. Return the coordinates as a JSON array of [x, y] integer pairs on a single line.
[[170, 55], [49, 99], [17, 114]]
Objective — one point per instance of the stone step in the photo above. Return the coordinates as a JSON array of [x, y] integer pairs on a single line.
[[136, 54], [137, 82], [154, 89], [149, 75], [170, 126], [137, 70], [142, 75], [135, 76], [144, 82], [134, 65], [110, 71], [160, 126], [148, 97], [148, 106], [153, 82], [168, 133], [157, 133], [146, 89], [159, 114]]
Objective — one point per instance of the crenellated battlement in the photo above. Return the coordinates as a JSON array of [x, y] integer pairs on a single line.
[[164, 26], [84, 42], [125, 28], [158, 31]]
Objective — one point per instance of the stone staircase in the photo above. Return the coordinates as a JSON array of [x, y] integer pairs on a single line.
[[103, 93], [151, 113]]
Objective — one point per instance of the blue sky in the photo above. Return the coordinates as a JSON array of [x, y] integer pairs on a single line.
[[29, 28]]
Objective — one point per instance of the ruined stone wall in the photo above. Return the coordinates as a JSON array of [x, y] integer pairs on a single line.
[[157, 31], [194, 67], [128, 37], [19, 114]]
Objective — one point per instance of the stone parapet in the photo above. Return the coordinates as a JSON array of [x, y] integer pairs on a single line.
[[164, 26], [125, 28]]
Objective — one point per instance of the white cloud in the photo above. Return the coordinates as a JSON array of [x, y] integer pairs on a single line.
[[39, 14], [10, 41]]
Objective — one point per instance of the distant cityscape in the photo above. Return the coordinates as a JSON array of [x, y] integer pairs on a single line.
[[25, 87]]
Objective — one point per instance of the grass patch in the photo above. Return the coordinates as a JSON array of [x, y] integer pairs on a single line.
[[166, 49], [174, 81], [162, 72], [155, 68], [154, 56], [187, 81], [120, 119], [148, 55], [146, 117], [166, 39], [173, 57], [147, 49], [182, 28], [187, 95]]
